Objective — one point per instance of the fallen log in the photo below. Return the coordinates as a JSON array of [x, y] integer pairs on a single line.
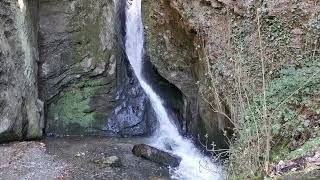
[[155, 155]]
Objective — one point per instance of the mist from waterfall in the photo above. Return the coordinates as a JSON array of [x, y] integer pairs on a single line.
[[194, 164]]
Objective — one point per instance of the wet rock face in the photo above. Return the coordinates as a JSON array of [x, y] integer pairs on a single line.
[[174, 43], [156, 155], [133, 114], [173, 99], [84, 75], [170, 47], [21, 112]]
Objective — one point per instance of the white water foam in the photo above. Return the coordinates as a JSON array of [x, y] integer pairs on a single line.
[[194, 165]]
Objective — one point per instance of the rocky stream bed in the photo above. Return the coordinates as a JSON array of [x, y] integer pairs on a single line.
[[76, 158]]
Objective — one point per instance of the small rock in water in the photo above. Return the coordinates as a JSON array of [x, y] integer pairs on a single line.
[[80, 154], [112, 161], [156, 155]]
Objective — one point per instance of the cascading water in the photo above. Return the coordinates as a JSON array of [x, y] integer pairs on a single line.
[[194, 165]]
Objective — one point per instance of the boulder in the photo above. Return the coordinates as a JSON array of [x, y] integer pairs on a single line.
[[113, 161], [156, 155], [212, 3]]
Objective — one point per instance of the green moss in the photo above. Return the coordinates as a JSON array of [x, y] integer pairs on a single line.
[[280, 151], [275, 31], [73, 108], [312, 174], [314, 27], [306, 148]]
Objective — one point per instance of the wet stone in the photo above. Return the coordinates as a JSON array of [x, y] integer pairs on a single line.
[[112, 161]]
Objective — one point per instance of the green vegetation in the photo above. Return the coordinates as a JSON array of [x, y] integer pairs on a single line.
[[306, 148], [273, 92], [292, 98]]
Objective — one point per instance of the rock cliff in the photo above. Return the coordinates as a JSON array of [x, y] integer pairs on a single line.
[[64, 71], [175, 48], [85, 79], [21, 111]]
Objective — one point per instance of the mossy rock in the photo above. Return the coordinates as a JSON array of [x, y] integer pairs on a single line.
[[73, 112]]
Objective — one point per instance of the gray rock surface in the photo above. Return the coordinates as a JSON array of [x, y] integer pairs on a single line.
[[21, 112], [78, 55]]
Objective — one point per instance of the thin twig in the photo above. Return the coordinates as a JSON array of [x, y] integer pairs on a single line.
[[265, 118]]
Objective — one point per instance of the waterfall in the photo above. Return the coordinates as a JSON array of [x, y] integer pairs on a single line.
[[194, 165]]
